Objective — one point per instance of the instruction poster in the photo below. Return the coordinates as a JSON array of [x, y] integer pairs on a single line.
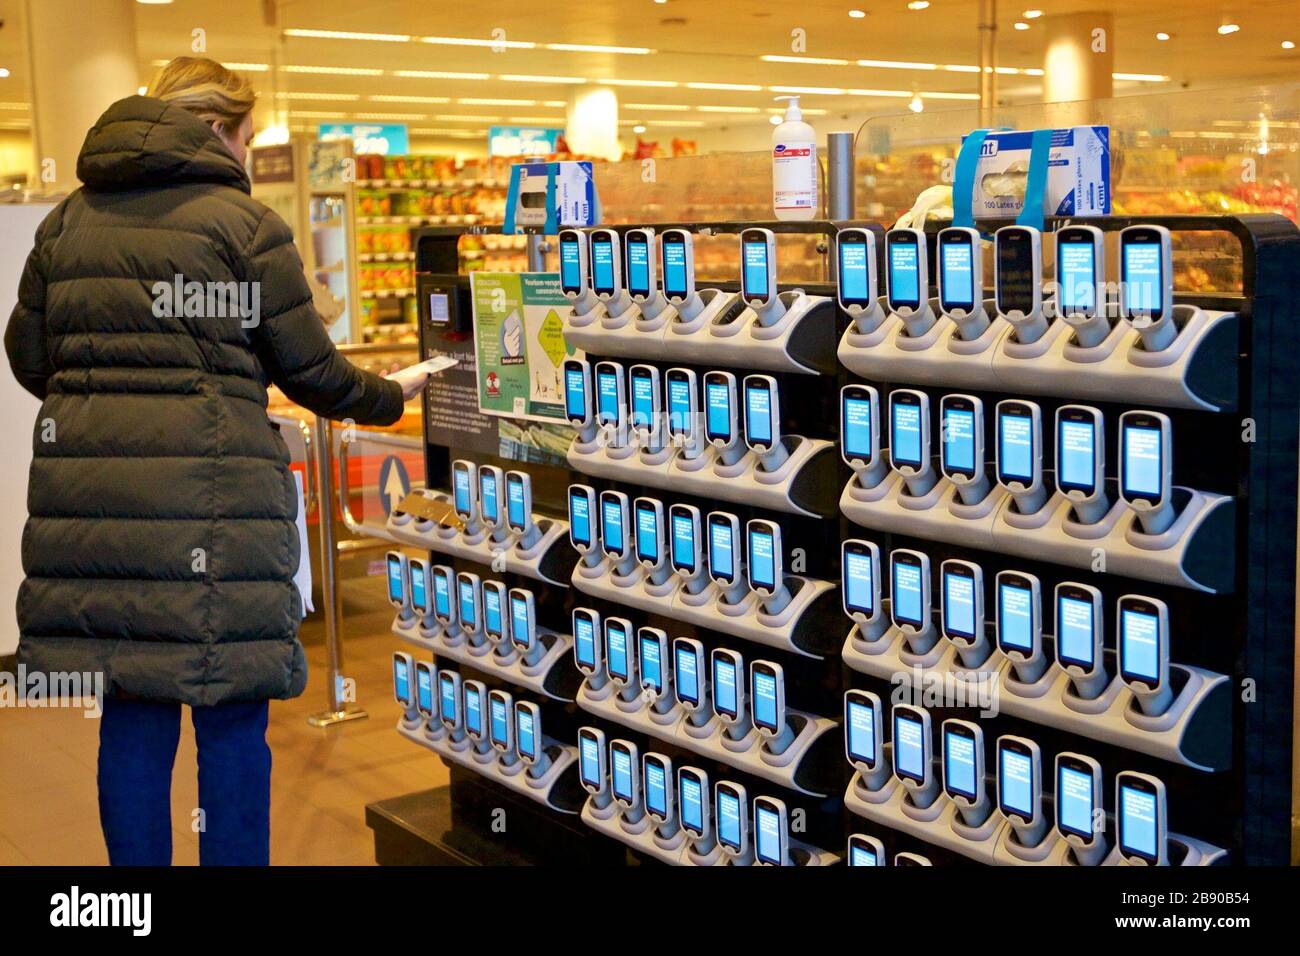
[[519, 338]]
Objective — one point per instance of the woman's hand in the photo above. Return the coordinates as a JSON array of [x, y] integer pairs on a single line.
[[412, 379]]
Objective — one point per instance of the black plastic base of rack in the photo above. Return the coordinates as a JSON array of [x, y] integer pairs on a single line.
[[453, 826]]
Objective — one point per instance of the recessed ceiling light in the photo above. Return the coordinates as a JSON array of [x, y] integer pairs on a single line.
[[530, 78], [348, 35], [1286, 45], [304, 95], [482, 101], [4, 73], [917, 104], [736, 87], [1227, 28], [815, 60], [399, 117], [918, 4], [1032, 14], [638, 128], [397, 98], [775, 120], [439, 75], [598, 48], [811, 90], [141, 90], [475, 41], [898, 65], [1019, 25], [335, 70], [664, 84], [1162, 36], [857, 14]]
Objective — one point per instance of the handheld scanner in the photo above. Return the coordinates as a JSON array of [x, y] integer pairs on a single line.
[[677, 254], [1081, 283], [1020, 448], [863, 733], [1147, 284], [681, 389], [464, 485], [961, 280], [652, 649], [625, 776], [606, 265], [399, 595], [860, 571], [496, 605], [909, 576], [732, 803], [1019, 279], [582, 518], [684, 531], [963, 762], [611, 397], [528, 732], [651, 535], [758, 274], [767, 691], [426, 702], [866, 851], [647, 408], [469, 602], [491, 480], [688, 673], [724, 544], [587, 643], [1081, 459], [907, 286], [771, 832], [1020, 782], [962, 598], [657, 784], [593, 771], [1078, 805], [615, 536], [728, 669], [766, 572], [859, 426], [579, 408], [912, 755], [403, 685], [1140, 819], [1143, 639], [523, 619], [762, 413], [720, 417], [855, 251], [1020, 620], [444, 595], [911, 859], [620, 655], [961, 427], [1146, 465], [575, 271], [693, 802], [1079, 630], [909, 432], [639, 261], [519, 501], [475, 710], [421, 594], [501, 721], [449, 698]]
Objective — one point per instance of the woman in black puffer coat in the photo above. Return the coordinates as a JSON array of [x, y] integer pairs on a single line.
[[161, 545]]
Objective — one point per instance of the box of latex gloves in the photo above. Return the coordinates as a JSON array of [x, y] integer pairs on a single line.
[[1078, 173], [551, 195]]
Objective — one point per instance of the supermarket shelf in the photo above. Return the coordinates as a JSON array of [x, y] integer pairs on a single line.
[[447, 184], [386, 257], [386, 293]]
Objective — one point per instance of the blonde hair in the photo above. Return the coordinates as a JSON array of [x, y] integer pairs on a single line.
[[205, 88]]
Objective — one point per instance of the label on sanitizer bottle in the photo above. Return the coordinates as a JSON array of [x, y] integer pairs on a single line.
[[794, 175]]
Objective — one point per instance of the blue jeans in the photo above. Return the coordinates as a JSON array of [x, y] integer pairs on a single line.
[[137, 749]]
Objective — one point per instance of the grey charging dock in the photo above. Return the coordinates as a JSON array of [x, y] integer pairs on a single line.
[[1197, 371], [547, 677], [1195, 552], [799, 486], [1193, 731], [748, 754], [549, 558], [801, 626], [515, 777], [680, 850]]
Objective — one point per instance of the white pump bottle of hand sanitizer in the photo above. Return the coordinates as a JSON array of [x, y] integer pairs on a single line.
[[794, 166]]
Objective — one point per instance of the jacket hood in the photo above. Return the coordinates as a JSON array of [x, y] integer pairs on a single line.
[[141, 141]]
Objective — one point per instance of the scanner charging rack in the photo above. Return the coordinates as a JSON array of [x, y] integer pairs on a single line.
[[1195, 552], [516, 777], [748, 754], [1197, 371], [1195, 731], [994, 841], [547, 677], [680, 849], [548, 559], [794, 628], [726, 333]]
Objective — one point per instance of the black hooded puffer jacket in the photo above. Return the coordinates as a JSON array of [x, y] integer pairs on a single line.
[[161, 544]]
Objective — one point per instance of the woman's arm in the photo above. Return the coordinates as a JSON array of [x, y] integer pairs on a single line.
[[25, 336], [294, 345]]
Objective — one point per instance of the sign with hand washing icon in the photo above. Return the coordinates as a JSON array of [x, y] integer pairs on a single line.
[[519, 343]]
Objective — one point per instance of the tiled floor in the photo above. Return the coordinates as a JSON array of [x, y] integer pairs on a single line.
[[321, 779]]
